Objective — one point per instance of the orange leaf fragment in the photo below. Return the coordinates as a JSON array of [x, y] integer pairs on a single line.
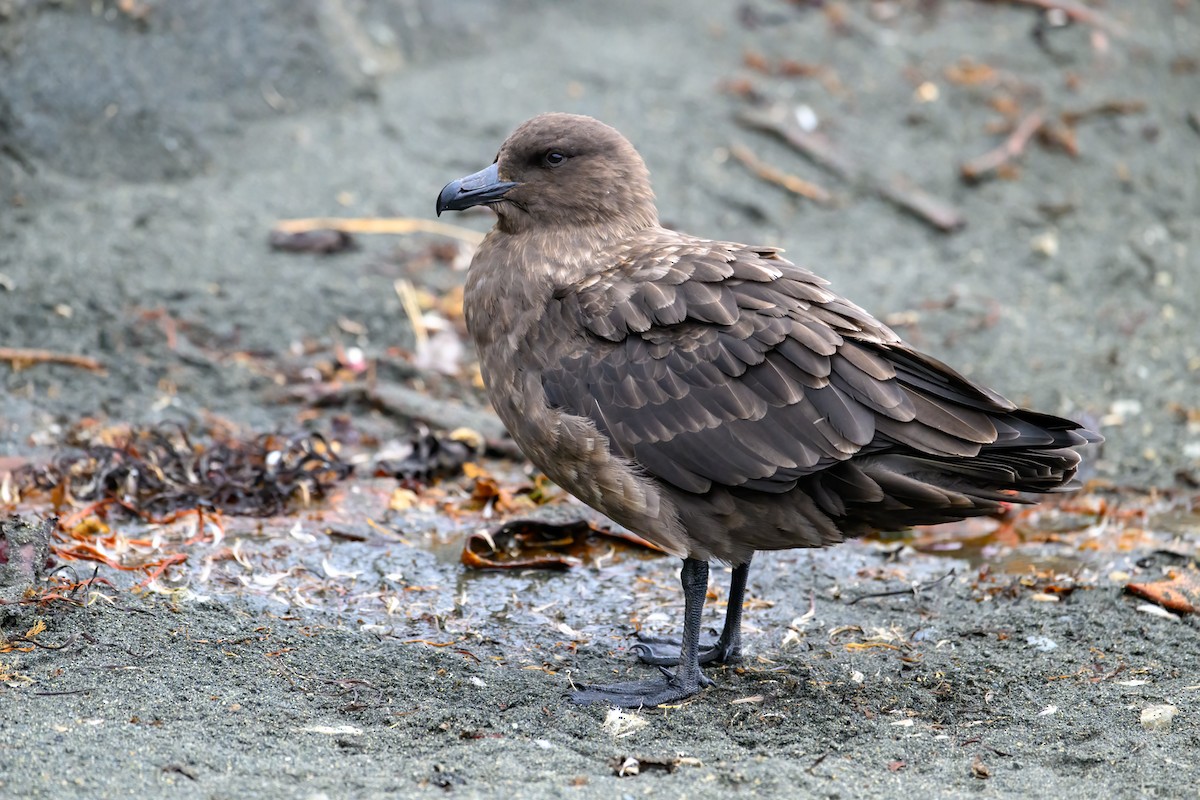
[[1178, 592], [969, 73]]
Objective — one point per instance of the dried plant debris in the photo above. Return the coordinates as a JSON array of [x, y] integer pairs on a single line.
[[797, 127], [997, 160], [398, 226], [1178, 592], [1078, 12], [155, 472], [321, 241], [428, 456], [793, 183], [631, 766], [906, 195], [524, 544], [786, 123], [22, 357]]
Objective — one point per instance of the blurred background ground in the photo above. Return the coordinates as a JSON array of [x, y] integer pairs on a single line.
[[148, 148]]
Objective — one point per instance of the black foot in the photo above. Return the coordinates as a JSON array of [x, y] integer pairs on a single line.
[[664, 650], [670, 688]]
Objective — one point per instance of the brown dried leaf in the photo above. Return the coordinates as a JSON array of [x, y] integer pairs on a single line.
[[757, 62], [800, 69], [969, 73]]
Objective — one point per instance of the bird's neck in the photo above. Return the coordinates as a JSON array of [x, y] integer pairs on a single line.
[[514, 275]]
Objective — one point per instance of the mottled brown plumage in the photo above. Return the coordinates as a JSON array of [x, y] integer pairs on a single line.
[[712, 396]]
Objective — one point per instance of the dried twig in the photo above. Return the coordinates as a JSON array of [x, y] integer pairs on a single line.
[[409, 404], [818, 149], [793, 183], [412, 309], [1078, 12], [982, 166], [901, 192], [446, 415], [913, 590], [1109, 108], [397, 225], [814, 146], [70, 641], [25, 356]]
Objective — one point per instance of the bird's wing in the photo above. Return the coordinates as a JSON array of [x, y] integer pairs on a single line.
[[716, 363]]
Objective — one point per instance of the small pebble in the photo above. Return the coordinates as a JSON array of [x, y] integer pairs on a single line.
[[1045, 244], [927, 92]]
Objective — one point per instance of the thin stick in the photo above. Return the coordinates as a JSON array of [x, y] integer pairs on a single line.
[[813, 146], [981, 166], [902, 193], [1078, 12], [913, 590], [818, 149], [25, 356], [793, 183], [1107, 108], [405, 403], [412, 309], [70, 641], [396, 225]]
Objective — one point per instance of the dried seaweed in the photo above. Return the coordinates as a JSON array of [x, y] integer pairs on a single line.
[[427, 455], [524, 544], [158, 471]]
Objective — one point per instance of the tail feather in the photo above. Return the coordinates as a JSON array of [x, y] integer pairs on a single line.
[[1033, 455]]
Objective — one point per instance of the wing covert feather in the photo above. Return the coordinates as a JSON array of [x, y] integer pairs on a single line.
[[713, 363]]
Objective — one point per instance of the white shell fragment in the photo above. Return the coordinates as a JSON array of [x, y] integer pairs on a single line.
[[1158, 718]]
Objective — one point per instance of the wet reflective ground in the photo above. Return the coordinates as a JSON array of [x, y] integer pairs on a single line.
[[390, 562]]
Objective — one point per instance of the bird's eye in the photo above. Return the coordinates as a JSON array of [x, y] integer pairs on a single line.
[[553, 158]]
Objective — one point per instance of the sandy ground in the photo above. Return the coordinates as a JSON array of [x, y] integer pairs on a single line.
[[142, 163]]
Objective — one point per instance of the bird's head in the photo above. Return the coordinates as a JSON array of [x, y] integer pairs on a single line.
[[556, 171]]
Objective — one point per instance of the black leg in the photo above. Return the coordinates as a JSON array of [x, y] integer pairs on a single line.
[[694, 579], [725, 649], [687, 680], [730, 643]]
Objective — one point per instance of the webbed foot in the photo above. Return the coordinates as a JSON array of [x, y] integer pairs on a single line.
[[664, 650], [669, 688]]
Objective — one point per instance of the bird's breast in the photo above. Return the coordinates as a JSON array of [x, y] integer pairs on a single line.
[[570, 450]]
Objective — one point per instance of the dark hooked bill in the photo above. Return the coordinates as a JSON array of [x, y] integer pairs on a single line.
[[476, 189]]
